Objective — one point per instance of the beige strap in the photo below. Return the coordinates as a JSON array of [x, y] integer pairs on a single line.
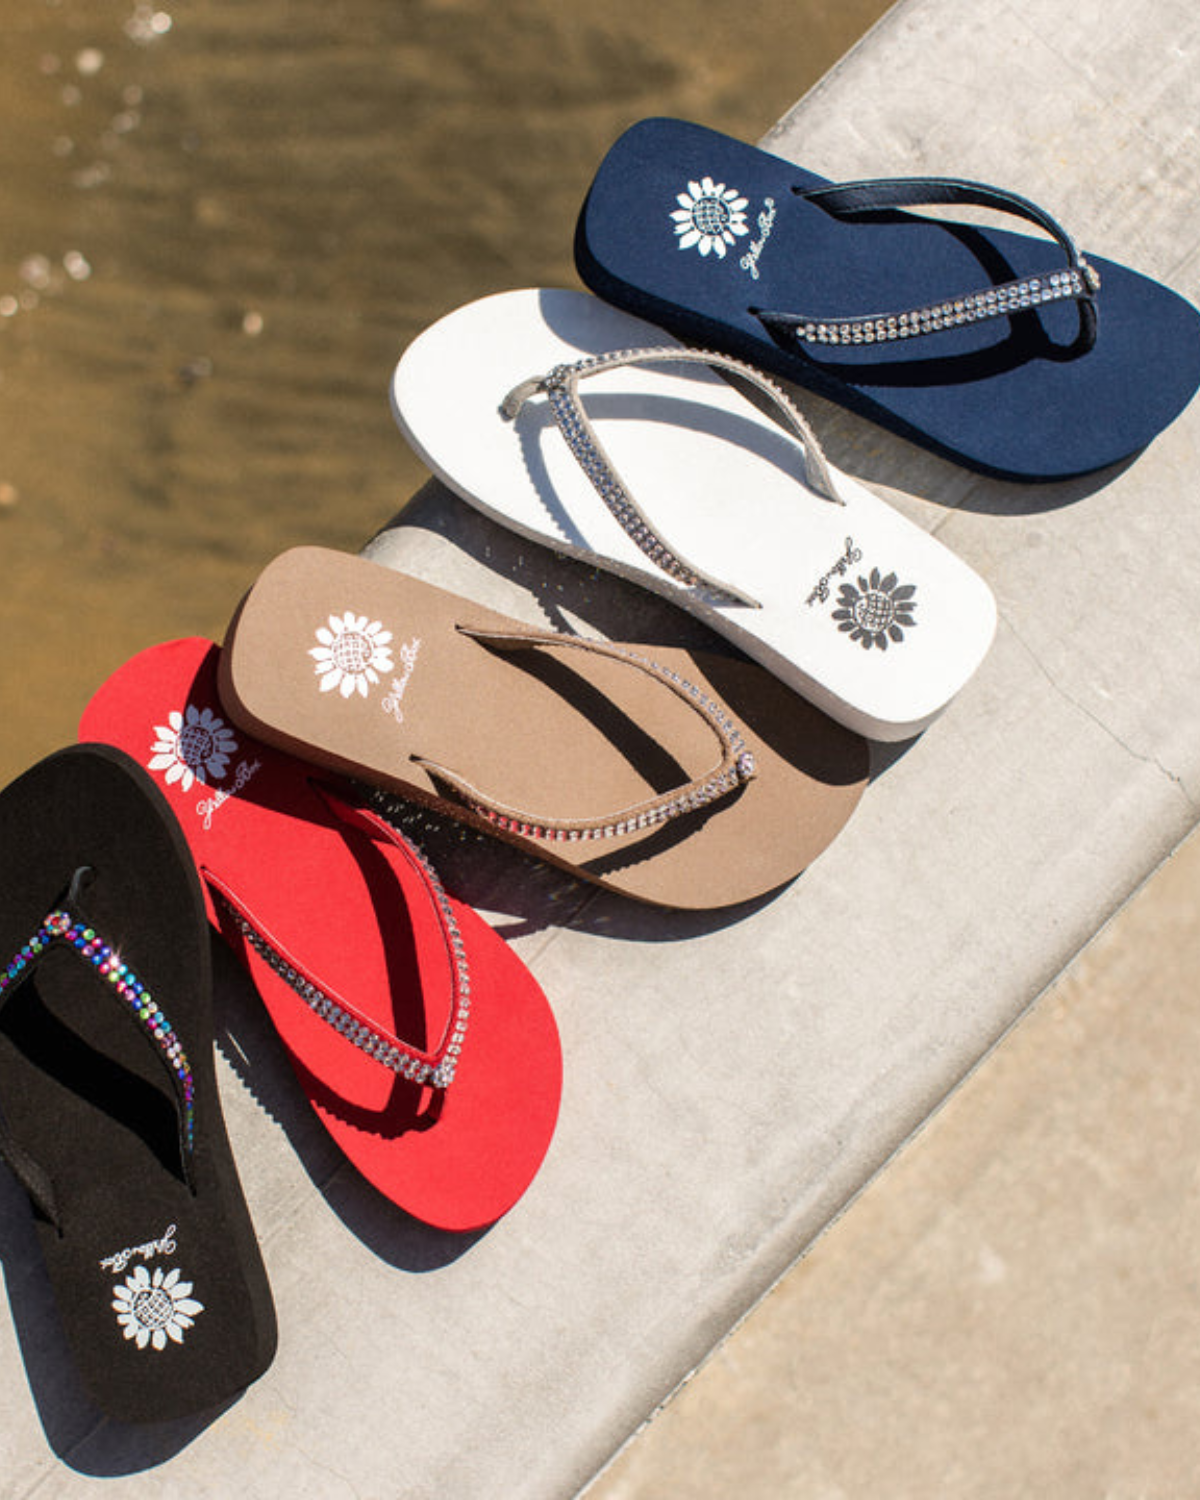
[[561, 387], [735, 766]]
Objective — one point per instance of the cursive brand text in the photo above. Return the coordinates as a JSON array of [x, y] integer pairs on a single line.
[[766, 222], [851, 555], [207, 807], [165, 1246], [408, 660]]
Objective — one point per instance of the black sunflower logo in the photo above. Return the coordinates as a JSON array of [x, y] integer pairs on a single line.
[[879, 610]]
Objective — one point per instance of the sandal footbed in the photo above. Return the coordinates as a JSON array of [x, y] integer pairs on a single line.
[[559, 735], [722, 482], [1004, 396], [352, 912], [87, 1096]]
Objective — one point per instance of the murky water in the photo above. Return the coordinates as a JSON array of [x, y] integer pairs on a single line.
[[221, 222]]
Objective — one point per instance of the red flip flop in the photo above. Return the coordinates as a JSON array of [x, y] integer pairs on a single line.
[[422, 1041]]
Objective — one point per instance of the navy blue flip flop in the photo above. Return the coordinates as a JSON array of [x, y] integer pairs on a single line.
[[1011, 354]]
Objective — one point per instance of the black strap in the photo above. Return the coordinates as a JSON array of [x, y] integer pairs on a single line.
[[34, 1179], [879, 194]]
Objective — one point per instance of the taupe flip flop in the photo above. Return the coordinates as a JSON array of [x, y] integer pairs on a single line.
[[681, 778]]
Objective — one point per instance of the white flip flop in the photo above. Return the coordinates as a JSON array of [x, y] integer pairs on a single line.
[[598, 435]]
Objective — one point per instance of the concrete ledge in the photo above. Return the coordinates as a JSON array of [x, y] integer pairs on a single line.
[[733, 1081]]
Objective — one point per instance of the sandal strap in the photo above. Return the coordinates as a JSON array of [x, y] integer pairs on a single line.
[[735, 767], [1079, 280], [34, 1179], [66, 926], [561, 387], [434, 1068]]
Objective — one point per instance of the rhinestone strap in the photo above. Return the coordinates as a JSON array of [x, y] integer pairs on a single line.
[[61, 927], [1078, 280], [735, 767], [561, 388], [997, 302], [435, 1068]]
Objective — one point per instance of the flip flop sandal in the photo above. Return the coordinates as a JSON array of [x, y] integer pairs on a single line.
[[676, 777], [422, 1041], [1011, 354], [110, 1117], [646, 462]]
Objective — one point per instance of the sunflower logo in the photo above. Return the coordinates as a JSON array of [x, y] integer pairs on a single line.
[[710, 216], [192, 746], [155, 1308], [352, 654], [878, 611]]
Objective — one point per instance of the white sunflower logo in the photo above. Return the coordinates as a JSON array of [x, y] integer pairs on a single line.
[[192, 746], [155, 1308], [352, 654], [710, 216]]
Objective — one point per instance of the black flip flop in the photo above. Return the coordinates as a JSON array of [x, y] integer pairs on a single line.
[[109, 1113]]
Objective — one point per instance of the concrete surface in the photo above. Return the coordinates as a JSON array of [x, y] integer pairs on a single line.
[[734, 1081], [1012, 1307]]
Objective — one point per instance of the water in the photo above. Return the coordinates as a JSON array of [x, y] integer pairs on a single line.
[[221, 222]]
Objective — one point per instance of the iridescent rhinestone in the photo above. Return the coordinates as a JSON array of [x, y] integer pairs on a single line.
[[58, 926]]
